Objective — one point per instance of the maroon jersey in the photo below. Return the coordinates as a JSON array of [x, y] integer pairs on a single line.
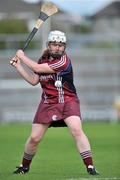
[[58, 87], [59, 98]]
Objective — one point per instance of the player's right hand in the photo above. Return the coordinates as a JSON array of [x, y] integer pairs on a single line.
[[15, 61]]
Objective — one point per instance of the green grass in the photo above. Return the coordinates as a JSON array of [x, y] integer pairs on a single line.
[[57, 157]]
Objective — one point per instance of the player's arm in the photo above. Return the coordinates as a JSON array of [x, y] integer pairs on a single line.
[[33, 78], [38, 68]]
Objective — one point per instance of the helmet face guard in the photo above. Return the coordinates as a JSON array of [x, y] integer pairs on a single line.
[[56, 37]]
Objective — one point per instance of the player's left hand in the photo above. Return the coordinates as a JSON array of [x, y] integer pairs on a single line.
[[20, 54]]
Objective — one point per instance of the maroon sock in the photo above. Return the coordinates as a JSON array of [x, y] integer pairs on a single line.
[[27, 159], [87, 158]]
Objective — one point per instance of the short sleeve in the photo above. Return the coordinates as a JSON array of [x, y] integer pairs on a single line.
[[59, 65]]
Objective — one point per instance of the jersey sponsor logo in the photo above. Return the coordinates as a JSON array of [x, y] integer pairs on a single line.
[[46, 77]]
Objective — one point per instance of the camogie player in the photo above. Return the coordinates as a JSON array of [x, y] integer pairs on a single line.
[[59, 104]]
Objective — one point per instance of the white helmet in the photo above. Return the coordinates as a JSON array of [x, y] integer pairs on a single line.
[[57, 36]]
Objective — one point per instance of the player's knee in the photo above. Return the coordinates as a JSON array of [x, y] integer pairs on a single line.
[[76, 133], [35, 139]]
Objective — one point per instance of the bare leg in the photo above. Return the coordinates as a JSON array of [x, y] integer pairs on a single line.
[[37, 133], [75, 127], [82, 142]]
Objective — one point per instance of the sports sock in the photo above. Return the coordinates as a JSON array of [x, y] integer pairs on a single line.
[[27, 159], [87, 158]]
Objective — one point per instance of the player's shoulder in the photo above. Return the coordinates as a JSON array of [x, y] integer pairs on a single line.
[[65, 58]]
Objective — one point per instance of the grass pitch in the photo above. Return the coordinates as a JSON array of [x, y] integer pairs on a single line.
[[57, 157]]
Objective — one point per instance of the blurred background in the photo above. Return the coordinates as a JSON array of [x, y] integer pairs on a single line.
[[92, 28]]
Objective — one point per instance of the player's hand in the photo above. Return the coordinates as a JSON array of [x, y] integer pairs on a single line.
[[20, 54], [15, 61]]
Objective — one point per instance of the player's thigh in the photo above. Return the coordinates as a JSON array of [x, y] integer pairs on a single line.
[[73, 123]]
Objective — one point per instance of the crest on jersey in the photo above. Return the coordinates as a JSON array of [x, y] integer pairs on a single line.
[[54, 117]]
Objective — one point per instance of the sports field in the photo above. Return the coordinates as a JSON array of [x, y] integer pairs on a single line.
[[57, 158]]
